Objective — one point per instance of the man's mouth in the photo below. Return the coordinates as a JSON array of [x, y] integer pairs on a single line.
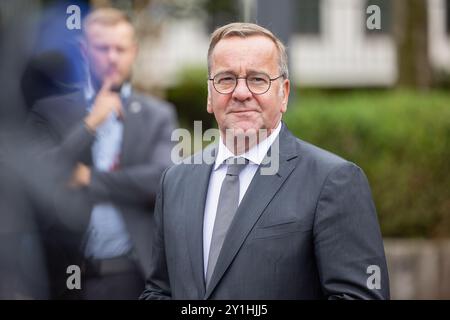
[[112, 72], [242, 111]]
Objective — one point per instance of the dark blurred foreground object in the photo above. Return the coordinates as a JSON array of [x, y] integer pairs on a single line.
[[23, 273], [47, 74]]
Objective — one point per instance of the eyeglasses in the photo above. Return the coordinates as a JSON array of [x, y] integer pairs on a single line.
[[257, 83]]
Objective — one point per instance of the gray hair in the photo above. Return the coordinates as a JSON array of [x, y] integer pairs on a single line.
[[241, 29]]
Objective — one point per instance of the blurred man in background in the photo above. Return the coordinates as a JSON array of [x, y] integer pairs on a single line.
[[109, 146]]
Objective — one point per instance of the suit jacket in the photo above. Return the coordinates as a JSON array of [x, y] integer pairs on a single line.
[[308, 232], [145, 152]]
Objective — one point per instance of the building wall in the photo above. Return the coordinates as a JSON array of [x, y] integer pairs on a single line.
[[181, 43], [418, 269], [439, 48], [343, 55]]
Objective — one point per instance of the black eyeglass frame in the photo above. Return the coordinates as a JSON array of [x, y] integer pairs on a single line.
[[246, 83]]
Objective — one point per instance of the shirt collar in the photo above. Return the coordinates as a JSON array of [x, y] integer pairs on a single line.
[[255, 155], [88, 90]]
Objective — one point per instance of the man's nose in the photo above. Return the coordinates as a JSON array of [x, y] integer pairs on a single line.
[[241, 92], [113, 54]]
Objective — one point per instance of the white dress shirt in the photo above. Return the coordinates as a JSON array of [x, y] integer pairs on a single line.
[[255, 156]]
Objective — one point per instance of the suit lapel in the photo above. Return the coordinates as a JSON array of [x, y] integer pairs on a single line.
[[260, 192], [196, 196]]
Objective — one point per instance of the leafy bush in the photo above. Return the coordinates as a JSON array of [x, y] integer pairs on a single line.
[[189, 97], [400, 139]]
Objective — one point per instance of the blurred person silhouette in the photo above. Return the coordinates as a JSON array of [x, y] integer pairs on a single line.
[[23, 273], [108, 146], [48, 74], [56, 64]]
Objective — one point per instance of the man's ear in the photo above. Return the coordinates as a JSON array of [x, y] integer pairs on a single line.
[[208, 101], [285, 89]]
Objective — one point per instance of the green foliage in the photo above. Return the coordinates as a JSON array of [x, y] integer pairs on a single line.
[[401, 139], [189, 97], [442, 79]]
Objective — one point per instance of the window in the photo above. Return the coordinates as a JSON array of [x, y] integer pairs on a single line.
[[308, 18], [221, 12], [385, 15]]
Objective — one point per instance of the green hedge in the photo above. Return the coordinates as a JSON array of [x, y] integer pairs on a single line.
[[402, 142], [401, 139], [189, 97]]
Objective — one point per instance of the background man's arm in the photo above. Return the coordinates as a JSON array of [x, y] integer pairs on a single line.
[[50, 145], [136, 184]]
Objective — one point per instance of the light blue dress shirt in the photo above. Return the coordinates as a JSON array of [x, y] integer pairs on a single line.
[[107, 236]]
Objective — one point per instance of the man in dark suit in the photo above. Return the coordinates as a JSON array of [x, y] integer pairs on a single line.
[[107, 147], [308, 230]]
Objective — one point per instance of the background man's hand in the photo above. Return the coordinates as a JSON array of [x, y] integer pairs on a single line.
[[107, 101], [81, 176]]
